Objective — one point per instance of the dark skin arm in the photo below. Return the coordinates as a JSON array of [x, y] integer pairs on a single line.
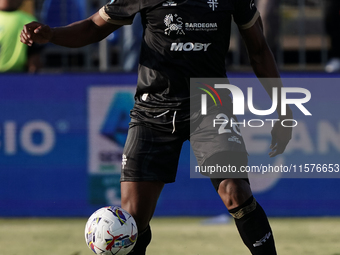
[[264, 66], [75, 35]]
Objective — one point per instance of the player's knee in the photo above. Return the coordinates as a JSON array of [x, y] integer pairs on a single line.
[[234, 192]]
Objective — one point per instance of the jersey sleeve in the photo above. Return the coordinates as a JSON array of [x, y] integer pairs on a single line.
[[120, 12], [245, 13]]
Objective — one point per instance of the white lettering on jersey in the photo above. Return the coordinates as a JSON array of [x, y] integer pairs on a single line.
[[201, 25], [189, 46]]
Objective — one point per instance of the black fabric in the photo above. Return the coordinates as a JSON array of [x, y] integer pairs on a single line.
[[182, 39], [152, 150], [226, 158], [244, 11], [150, 154], [255, 230]]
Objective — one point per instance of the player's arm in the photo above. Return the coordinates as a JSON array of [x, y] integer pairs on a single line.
[[264, 66], [260, 55], [78, 34]]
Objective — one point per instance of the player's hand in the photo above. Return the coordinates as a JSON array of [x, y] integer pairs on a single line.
[[36, 32], [280, 138]]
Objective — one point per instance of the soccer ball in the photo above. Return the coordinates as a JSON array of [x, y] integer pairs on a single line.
[[111, 231]]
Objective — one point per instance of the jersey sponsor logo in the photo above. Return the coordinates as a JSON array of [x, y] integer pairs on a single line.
[[169, 3], [212, 4], [203, 26], [189, 46], [174, 24]]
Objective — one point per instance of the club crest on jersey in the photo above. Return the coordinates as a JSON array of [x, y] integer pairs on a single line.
[[174, 24], [212, 4]]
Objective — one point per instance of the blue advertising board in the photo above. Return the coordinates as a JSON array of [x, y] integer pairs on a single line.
[[61, 140]]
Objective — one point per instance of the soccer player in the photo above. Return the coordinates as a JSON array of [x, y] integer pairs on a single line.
[[181, 39]]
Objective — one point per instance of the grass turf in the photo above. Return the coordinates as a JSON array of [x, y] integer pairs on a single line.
[[64, 236]]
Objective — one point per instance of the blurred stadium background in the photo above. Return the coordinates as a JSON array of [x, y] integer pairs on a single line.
[[62, 132]]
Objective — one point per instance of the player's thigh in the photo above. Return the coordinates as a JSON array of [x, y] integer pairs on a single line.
[[150, 159], [216, 137], [233, 163], [150, 155]]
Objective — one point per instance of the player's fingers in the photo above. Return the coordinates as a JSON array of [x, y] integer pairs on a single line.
[[30, 27], [273, 147], [275, 153], [24, 35], [44, 32], [272, 153], [25, 29], [278, 149], [37, 30], [26, 32], [24, 39], [273, 142], [42, 29]]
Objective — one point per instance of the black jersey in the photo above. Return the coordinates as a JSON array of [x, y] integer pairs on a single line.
[[182, 39]]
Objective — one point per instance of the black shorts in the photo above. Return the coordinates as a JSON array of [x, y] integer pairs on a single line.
[[152, 150]]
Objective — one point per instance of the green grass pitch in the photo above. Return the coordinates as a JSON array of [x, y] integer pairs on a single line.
[[171, 236]]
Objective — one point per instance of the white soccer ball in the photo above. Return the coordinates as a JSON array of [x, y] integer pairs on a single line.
[[111, 231]]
